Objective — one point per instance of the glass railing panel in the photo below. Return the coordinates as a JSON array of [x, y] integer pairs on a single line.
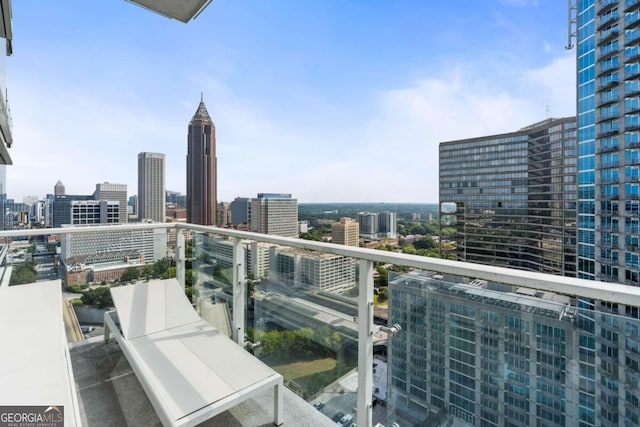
[[303, 322], [487, 353], [210, 265], [87, 263]]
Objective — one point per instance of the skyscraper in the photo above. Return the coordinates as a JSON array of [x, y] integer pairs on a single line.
[[59, 189], [515, 195], [275, 214], [151, 182], [201, 168], [345, 232], [388, 224], [608, 58], [114, 192], [240, 210], [368, 224]]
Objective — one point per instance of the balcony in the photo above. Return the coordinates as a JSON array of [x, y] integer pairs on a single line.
[[632, 58], [608, 165], [608, 149], [606, 5], [606, 68], [632, 5], [608, 54], [632, 75], [608, 35], [607, 21], [606, 117], [607, 100], [323, 333], [606, 133], [632, 23], [608, 85]]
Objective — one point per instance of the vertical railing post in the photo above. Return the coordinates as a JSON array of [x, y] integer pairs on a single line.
[[365, 344], [239, 286], [180, 268]]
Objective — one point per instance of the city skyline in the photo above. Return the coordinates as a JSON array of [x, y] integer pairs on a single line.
[[381, 84]]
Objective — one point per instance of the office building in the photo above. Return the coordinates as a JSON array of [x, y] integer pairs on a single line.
[[275, 213], [388, 225], [345, 232], [300, 268], [3, 195], [151, 244], [374, 225], [515, 197], [368, 224], [176, 198], [223, 214], [87, 212], [151, 191], [62, 208], [201, 168], [488, 354], [115, 192], [240, 210], [132, 205], [58, 189]]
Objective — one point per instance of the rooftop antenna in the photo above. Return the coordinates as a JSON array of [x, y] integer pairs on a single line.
[[548, 109], [201, 96]]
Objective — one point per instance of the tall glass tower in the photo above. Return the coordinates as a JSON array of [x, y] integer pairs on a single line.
[[608, 36]]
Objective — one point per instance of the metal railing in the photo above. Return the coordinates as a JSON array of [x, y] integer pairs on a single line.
[[573, 287]]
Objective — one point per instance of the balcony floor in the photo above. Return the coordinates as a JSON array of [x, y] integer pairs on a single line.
[[110, 394]]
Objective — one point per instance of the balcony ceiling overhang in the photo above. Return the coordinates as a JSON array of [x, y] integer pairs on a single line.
[[182, 10]]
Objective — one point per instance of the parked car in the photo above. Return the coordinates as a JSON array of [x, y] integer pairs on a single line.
[[318, 405], [337, 417], [346, 419]]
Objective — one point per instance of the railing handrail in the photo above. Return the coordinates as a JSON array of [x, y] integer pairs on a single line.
[[612, 292]]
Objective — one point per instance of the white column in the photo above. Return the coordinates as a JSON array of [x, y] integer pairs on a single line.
[[180, 257], [365, 344], [239, 286]]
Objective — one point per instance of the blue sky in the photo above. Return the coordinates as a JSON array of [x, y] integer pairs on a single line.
[[329, 100]]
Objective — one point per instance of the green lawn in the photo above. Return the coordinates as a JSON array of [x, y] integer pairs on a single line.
[[310, 376], [295, 370]]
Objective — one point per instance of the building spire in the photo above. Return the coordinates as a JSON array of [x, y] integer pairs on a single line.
[[201, 113]]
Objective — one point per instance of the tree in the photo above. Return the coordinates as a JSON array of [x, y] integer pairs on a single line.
[[99, 297], [382, 294], [425, 243], [23, 273], [129, 274]]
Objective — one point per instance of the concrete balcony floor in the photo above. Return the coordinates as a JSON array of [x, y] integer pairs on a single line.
[[110, 395]]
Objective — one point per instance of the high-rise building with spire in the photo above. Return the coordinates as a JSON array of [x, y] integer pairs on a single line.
[[201, 168], [59, 189]]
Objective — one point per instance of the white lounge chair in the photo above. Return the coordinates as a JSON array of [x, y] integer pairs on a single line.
[[189, 370], [35, 366]]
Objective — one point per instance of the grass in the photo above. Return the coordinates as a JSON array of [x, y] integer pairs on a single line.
[[309, 376], [76, 301], [295, 370]]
